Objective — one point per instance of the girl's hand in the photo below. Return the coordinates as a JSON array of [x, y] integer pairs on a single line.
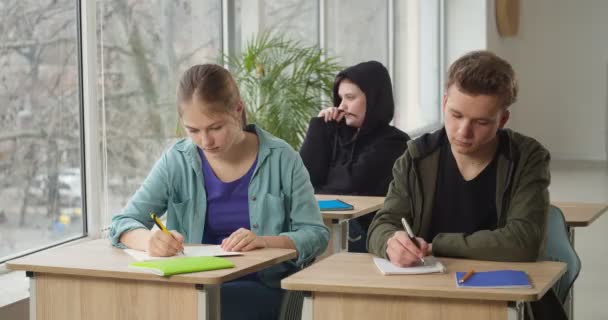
[[161, 244], [243, 240]]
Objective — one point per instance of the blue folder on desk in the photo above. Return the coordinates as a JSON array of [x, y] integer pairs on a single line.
[[495, 279], [334, 205]]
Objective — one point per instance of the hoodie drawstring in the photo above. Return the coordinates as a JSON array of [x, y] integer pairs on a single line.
[[352, 155], [334, 151]]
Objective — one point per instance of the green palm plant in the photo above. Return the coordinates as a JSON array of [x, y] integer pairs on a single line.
[[283, 83]]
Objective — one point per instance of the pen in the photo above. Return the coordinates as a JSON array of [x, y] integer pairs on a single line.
[[410, 234], [466, 276], [160, 225]]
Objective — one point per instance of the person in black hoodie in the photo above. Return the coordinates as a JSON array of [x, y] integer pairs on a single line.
[[350, 149]]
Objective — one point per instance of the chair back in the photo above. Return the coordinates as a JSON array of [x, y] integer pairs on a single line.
[[559, 248]]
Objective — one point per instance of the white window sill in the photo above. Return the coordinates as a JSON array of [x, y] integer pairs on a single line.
[[14, 286]]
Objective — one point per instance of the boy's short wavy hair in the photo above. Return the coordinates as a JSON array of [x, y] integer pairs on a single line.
[[483, 72]]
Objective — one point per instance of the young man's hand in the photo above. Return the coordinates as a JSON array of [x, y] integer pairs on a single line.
[[402, 252]]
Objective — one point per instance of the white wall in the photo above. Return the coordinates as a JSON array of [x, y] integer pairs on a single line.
[[560, 56], [465, 26]]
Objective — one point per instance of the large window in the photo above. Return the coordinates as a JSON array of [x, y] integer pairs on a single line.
[[40, 149], [358, 30], [296, 19], [144, 47]]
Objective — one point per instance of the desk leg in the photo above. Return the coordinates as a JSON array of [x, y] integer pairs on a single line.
[[307, 307], [569, 305], [338, 237], [516, 310], [339, 234], [32, 295], [208, 300]]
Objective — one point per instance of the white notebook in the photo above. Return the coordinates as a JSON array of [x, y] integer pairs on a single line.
[[189, 251], [431, 265]]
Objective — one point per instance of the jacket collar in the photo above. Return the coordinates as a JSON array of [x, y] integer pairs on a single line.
[[428, 143], [267, 142]]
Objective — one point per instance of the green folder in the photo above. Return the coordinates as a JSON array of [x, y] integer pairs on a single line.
[[168, 267]]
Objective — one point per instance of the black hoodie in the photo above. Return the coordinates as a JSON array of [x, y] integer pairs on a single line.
[[339, 164]]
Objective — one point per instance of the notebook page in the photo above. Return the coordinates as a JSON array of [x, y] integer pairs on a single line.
[[189, 251], [431, 265]]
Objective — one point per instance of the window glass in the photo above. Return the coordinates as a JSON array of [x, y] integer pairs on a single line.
[[40, 150]]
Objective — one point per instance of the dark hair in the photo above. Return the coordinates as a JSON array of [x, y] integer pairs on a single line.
[[483, 72], [211, 84]]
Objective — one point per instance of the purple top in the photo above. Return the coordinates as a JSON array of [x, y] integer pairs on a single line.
[[227, 204]]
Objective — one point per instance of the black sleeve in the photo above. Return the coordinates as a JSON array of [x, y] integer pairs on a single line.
[[316, 151]]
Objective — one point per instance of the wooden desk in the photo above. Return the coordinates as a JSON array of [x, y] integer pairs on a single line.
[[337, 221], [90, 280], [349, 286], [581, 214]]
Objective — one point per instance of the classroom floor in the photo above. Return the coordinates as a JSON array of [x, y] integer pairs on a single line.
[[586, 181]]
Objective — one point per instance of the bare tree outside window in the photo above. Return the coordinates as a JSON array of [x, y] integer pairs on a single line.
[[40, 193], [294, 19], [357, 30], [144, 47]]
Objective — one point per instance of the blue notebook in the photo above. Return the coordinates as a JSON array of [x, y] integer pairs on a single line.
[[334, 205], [495, 279]]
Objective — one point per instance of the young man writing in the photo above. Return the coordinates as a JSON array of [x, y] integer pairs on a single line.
[[472, 189]]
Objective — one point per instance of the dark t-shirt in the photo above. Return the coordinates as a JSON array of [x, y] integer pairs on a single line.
[[462, 206]]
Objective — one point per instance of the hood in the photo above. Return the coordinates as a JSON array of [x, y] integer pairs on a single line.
[[373, 79]]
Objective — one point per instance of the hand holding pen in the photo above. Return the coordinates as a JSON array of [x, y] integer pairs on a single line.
[[164, 243], [404, 249], [411, 235]]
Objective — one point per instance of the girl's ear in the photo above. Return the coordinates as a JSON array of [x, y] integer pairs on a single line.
[[240, 107]]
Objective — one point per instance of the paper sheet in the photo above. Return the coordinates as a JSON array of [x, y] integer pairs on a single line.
[[431, 265], [189, 251]]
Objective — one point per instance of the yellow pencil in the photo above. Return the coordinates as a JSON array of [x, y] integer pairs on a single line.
[[161, 225]]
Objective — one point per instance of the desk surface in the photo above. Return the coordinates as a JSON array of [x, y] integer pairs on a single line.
[[581, 214], [98, 258], [356, 273], [362, 205]]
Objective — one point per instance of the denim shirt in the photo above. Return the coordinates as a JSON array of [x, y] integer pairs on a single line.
[[281, 200]]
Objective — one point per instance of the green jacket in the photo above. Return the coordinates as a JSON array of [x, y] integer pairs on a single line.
[[522, 201], [281, 200]]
